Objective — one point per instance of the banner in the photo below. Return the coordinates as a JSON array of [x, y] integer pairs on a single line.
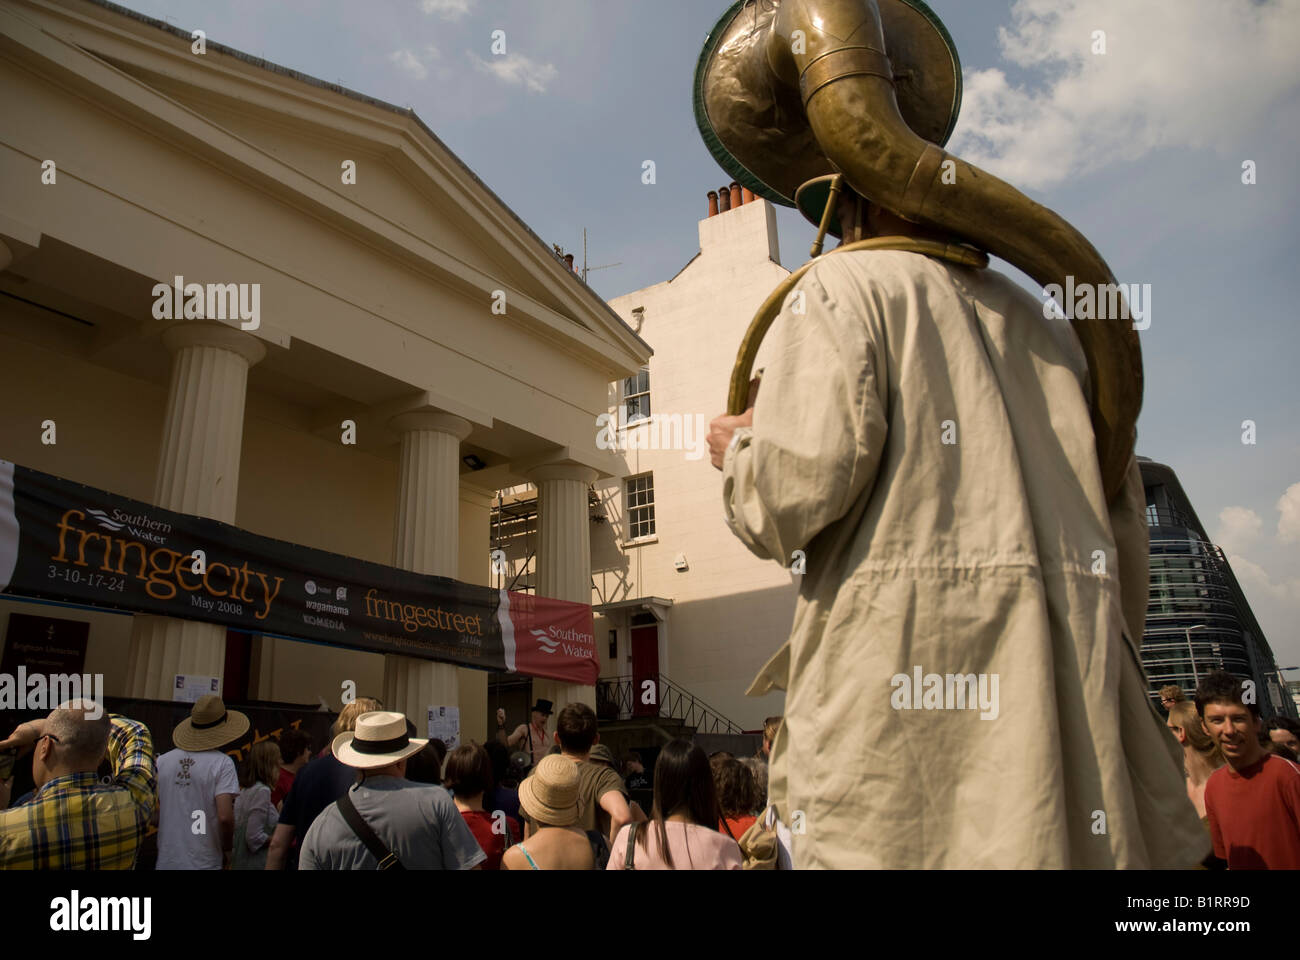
[[64, 541]]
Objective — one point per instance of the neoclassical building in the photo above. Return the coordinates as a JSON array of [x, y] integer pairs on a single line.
[[408, 345]]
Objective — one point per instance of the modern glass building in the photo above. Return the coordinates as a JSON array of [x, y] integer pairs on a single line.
[[1198, 619]]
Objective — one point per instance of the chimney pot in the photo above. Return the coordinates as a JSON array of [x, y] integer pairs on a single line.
[[735, 194], [724, 200], [713, 203], [746, 195]]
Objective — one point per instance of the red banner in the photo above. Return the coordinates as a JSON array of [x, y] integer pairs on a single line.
[[550, 638]]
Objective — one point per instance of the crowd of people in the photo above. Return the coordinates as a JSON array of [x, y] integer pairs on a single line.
[[377, 797]]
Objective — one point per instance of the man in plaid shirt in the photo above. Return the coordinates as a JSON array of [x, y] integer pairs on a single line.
[[73, 821]]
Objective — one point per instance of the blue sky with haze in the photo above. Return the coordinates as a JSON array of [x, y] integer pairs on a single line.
[[1141, 148]]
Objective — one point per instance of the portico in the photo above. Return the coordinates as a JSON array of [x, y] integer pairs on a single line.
[[374, 309]]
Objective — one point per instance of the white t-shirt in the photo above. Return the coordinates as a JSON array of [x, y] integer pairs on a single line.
[[188, 782]]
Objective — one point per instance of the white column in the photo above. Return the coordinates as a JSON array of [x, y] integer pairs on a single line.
[[563, 556], [426, 540], [198, 473]]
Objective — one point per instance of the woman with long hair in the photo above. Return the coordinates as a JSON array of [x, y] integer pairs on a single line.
[[682, 832], [255, 815]]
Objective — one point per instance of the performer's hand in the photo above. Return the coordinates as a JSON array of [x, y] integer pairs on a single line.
[[501, 716], [720, 433]]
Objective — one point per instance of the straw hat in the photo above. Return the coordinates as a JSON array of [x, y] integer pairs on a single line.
[[379, 739], [550, 795], [210, 725]]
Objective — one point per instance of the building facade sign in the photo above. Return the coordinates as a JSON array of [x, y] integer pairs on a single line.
[[64, 541]]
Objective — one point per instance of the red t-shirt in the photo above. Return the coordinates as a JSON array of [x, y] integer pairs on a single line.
[[493, 844], [282, 786], [738, 825], [1255, 815]]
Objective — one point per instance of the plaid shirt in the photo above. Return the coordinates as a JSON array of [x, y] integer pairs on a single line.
[[76, 822]]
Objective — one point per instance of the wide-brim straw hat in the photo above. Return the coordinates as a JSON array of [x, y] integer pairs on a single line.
[[765, 141], [210, 725], [550, 795], [380, 738]]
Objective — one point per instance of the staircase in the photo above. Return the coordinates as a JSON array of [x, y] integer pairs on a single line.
[[679, 713]]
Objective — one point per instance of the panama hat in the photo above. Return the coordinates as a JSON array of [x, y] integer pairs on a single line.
[[765, 141], [380, 738], [550, 795], [210, 725]]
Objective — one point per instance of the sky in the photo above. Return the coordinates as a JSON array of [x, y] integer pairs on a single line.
[[1143, 147]]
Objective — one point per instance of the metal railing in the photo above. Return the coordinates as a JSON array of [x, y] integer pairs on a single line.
[[617, 698]]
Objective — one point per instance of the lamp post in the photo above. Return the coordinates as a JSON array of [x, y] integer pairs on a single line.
[[1196, 680]]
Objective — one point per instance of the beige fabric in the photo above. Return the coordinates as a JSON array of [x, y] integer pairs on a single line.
[[973, 557]]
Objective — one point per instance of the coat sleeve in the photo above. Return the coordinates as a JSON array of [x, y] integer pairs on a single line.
[[820, 422]]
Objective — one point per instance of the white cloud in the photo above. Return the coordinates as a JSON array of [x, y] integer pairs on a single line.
[[517, 69], [408, 63], [1192, 74], [447, 9], [1288, 524], [1238, 527]]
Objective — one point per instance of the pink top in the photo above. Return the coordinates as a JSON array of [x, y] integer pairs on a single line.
[[692, 847]]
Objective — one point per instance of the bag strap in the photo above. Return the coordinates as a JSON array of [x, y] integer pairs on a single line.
[[726, 826], [387, 859], [628, 863]]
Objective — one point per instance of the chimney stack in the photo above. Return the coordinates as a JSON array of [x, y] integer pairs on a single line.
[[713, 203], [746, 195], [724, 200], [735, 194]]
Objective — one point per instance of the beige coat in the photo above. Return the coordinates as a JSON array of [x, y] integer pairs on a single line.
[[923, 436]]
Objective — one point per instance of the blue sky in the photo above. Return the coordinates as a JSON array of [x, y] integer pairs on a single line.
[[1141, 148]]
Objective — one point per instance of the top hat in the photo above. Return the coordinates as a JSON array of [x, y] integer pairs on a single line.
[[544, 706]]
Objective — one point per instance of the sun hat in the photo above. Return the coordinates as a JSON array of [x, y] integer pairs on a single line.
[[380, 738], [550, 795], [210, 725]]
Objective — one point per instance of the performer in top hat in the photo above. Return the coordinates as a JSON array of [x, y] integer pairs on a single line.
[[963, 684], [531, 736]]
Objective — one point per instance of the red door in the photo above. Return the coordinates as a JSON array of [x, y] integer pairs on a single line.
[[645, 671]]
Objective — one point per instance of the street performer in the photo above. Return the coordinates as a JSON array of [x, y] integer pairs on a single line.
[[963, 684]]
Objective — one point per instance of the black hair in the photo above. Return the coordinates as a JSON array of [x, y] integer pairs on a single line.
[[683, 784], [292, 743], [1283, 723], [1219, 686]]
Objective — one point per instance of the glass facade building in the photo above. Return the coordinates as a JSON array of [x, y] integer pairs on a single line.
[[1198, 619]]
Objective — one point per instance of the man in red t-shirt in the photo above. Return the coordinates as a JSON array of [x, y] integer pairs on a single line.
[[295, 751], [1253, 803]]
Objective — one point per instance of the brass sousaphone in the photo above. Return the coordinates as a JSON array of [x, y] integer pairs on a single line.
[[790, 92]]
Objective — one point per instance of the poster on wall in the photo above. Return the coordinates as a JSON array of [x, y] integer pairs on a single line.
[[48, 645], [189, 687], [444, 725], [72, 543]]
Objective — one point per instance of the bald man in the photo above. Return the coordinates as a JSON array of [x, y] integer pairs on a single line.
[[73, 821]]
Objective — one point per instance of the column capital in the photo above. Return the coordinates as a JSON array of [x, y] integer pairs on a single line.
[[561, 471], [205, 333], [431, 420]]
